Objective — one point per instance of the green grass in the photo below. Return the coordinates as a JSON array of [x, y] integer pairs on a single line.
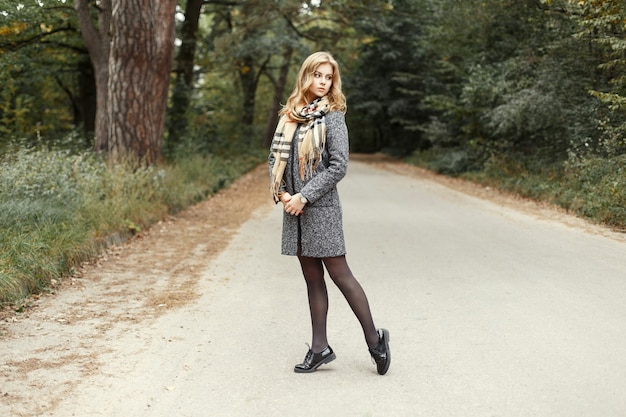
[[58, 209]]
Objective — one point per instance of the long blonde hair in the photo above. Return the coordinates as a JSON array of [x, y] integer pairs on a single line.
[[298, 97]]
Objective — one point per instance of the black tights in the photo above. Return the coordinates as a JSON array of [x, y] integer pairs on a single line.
[[337, 267]]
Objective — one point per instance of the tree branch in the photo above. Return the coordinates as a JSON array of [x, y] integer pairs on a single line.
[[295, 29], [262, 69], [88, 29], [67, 46], [14, 46]]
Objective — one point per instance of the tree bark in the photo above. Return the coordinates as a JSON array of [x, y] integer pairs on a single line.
[[142, 33], [98, 42], [248, 79], [88, 96]]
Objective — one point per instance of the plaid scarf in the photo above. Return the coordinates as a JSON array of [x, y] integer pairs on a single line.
[[311, 140]]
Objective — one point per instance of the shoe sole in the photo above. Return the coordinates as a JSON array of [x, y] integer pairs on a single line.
[[328, 359]]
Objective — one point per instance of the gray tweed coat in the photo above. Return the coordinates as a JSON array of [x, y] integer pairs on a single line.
[[320, 227]]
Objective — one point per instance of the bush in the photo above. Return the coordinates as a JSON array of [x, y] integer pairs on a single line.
[[598, 189], [593, 188], [447, 161], [58, 208]]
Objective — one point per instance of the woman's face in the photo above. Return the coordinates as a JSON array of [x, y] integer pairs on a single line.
[[322, 80]]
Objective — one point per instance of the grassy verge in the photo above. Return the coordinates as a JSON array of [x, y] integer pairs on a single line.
[[59, 209], [593, 188]]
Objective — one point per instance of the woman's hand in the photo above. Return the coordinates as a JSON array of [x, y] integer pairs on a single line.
[[284, 197], [292, 205]]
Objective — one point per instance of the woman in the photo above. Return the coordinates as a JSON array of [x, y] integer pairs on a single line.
[[309, 156]]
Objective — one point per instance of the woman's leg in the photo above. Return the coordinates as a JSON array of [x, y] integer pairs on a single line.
[[313, 272], [353, 292]]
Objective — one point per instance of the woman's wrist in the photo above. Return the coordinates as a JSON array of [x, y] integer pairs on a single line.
[[301, 198]]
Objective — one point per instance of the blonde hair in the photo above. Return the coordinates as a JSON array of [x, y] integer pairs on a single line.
[[298, 97]]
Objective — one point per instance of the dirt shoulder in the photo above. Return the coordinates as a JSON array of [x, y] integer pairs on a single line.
[[69, 328]]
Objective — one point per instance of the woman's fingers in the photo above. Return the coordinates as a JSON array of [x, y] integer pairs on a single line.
[[294, 212]]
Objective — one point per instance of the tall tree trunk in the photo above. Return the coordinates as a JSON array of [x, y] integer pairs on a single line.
[[248, 79], [279, 90], [98, 41], [88, 96], [183, 84], [142, 33]]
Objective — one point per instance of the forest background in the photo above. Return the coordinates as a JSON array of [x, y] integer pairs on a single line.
[[115, 114]]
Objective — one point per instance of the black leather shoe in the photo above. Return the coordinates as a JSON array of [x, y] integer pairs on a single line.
[[312, 361], [381, 354]]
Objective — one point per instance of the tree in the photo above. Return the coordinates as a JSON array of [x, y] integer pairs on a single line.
[[131, 51], [386, 84], [184, 73], [279, 84], [603, 21], [265, 41], [98, 41], [313, 26], [46, 87], [142, 34], [504, 79]]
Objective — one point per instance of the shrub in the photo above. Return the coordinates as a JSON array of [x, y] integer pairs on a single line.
[[593, 188], [58, 208], [598, 189]]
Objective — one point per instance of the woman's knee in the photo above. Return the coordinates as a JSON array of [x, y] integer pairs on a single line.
[[338, 268], [312, 269]]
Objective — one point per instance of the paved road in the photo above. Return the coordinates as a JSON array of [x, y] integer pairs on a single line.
[[492, 312]]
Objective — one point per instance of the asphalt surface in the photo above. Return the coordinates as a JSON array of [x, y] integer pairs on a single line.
[[491, 311]]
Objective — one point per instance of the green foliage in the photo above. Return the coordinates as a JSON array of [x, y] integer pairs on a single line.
[[448, 161], [603, 24], [481, 79], [593, 188], [387, 84], [58, 209], [243, 49], [596, 188], [508, 100], [41, 53]]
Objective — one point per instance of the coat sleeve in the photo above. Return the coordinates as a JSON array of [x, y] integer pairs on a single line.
[[337, 146]]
